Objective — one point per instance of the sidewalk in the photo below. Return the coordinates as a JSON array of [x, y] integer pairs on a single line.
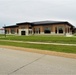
[[40, 43], [51, 43]]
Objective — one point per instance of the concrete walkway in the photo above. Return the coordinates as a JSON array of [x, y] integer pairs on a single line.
[[52, 43], [40, 43], [14, 62]]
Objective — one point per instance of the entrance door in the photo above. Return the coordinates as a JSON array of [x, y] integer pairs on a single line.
[[23, 33]]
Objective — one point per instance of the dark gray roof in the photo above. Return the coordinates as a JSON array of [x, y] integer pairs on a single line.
[[10, 26], [41, 23], [46, 22], [23, 23], [51, 22]]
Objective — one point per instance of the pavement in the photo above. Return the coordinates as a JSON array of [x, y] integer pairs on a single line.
[[40, 43], [14, 62]]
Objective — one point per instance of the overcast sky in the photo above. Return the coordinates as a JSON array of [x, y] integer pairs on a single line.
[[15, 11]]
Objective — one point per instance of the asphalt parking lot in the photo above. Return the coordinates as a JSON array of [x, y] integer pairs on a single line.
[[14, 62]]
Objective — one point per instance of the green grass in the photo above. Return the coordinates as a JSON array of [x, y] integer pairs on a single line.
[[1, 35], [57, 48], [55, 39]]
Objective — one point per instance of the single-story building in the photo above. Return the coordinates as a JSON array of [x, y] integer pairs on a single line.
[[40, 28]]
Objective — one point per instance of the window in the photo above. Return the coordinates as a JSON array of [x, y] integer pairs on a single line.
[[12, 31], [47, 30], [56, 30], [17, 31], [30, 32], [60, 29], [37, 30]]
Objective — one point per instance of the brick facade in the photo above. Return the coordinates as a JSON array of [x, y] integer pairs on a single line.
[[46, 28]]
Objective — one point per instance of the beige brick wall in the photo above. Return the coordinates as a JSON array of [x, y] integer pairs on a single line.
[[52, 27]]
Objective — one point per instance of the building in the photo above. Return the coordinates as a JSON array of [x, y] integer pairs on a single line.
[[74, 31], [40, 28], [1, 30]]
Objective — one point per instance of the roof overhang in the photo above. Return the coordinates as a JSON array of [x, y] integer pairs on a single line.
[[12, 26], [24, 23]]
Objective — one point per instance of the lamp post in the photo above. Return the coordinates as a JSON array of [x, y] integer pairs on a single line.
[[5, 30]]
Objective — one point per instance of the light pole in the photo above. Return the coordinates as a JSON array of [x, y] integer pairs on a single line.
[[5, 30]]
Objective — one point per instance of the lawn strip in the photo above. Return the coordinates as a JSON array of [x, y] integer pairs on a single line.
[[54, 53], [57, 48], [54, 39]]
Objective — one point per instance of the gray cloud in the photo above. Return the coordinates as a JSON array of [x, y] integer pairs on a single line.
[[13, 11]]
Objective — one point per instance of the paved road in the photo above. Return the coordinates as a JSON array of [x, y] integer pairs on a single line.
[[14, 62]]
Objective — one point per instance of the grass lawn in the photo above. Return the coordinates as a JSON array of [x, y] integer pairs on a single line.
[[57, 48], [43, 38], [2, 35]]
